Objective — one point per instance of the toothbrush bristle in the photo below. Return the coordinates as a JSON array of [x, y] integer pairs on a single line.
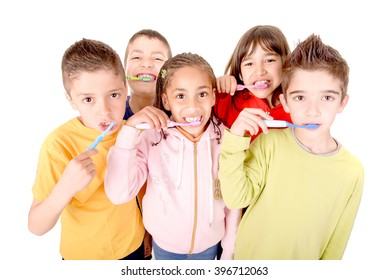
[[195, 123], [312, 126]]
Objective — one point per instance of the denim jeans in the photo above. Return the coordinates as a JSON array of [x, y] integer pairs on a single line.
[[208, 254]]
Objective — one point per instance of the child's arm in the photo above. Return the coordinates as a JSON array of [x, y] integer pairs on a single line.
[[127, 168], [77, 175], [232, 220], [239, 172], [226, 84]]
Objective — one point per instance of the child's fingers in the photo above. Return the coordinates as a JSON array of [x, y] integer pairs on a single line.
[[86, 154], [155, 117], [258, 112]]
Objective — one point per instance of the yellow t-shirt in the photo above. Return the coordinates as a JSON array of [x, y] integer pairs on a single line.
[[91, 226]]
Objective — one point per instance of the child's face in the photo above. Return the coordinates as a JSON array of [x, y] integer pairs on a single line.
[[145, 59], [313, 97], [190, 97], [100, 98], [262, 67]]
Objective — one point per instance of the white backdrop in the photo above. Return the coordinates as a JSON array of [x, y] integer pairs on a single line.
[[34, 35]]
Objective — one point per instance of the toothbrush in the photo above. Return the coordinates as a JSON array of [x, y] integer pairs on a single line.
[[144, 79], [277, 123], [257, 86], [170, 124], [100, 137]]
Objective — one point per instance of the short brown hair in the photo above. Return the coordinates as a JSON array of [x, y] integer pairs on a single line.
[[151, 34], [313, 54], [89, 56]]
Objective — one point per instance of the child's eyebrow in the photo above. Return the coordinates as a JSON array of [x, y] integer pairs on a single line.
[[198, 88], [322, 91], [142, 52], [267, 54]]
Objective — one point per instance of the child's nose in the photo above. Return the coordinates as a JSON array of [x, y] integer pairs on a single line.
[[103, 107], [312, 109], [147, 63], [260, 69]]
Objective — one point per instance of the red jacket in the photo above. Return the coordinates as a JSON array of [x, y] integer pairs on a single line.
[[228, 107]]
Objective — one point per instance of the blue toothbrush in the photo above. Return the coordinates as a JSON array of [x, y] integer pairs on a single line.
[[100, 137], [278, 123]]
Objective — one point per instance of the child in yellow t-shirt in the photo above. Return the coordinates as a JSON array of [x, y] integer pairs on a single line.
[[70, 177]]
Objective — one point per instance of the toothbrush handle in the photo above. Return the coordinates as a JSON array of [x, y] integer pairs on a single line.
[[95, 143], [275, 123], [147, 126], [143, 126], [240, 87]]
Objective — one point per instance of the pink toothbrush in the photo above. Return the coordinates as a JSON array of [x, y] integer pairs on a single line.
[[256, 86], [170, 124]]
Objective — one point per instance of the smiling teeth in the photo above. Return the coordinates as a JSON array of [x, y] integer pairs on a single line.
[[145, 77], [193, 119], [261, 82]]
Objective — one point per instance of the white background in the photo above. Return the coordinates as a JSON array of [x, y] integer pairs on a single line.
[[34, 35]]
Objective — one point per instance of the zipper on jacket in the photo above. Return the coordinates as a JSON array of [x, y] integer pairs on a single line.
[[195, 198]]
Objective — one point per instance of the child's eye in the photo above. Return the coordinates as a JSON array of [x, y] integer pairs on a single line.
[[180, 96], [87, 100], [328, 98], [135, 57], [299, 98], [203, 94], [115, 95]]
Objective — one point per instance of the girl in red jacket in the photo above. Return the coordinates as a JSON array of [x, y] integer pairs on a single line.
[[255, 63]]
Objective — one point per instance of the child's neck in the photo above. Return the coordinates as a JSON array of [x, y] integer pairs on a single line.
[[137, 103], [322, 144]]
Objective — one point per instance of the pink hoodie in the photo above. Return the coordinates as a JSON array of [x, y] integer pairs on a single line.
[[182, 207]]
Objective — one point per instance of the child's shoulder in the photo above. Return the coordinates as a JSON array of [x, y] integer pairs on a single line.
[[59, 137], [352, 160]]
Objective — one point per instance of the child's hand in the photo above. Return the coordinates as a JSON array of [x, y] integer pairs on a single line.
[[147, 244], [250, 120], [155, 117], [79, 173], [226, 84]]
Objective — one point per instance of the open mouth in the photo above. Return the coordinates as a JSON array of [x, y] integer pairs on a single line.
[[146, 77], [105, 124], [193, 119], [262, 84]]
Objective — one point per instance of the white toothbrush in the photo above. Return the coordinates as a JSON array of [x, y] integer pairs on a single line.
[[170, 124], [278, 123]]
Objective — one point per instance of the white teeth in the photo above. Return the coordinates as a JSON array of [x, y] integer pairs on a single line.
[[145, 76], [193, 119], [261, 82], [105, 123]]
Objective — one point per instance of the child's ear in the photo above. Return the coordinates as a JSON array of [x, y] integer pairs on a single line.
[[165, 101], [214, 96], [343, 103], [69, 98], [283, 102]]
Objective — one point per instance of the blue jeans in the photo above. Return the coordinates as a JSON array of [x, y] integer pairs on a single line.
[[208, 254]]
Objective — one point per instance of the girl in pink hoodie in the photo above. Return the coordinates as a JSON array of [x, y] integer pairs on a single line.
[[182, 208]]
